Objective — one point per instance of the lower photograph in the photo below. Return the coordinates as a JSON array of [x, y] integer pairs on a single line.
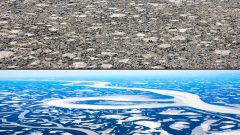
[[119, 102]]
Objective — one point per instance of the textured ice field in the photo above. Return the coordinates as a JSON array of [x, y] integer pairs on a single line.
[[119, 34]]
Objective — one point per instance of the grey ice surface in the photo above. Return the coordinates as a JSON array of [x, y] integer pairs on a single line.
[[120, 34]]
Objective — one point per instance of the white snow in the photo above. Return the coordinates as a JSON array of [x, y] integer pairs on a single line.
[[222, 52], [118, 15], [3, 22], [136, 117], [235, 132], [203, 128], [149, 124], [79, 64], [118, 33], [182, 30], [106, 66], [176, 1], [69, 102], [179, 125], [14, 31], [164, 46], [124, 60], [227, 126], [140, 35], [171, 112], [114, 116], [5, 54], [177, 112]]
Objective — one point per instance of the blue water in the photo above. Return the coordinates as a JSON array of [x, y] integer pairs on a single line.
[[30, 94]]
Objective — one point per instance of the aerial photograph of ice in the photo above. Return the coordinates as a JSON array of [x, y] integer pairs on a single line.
[[120, 102]]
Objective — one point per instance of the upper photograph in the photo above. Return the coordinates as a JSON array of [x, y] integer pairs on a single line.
[[119, 34]]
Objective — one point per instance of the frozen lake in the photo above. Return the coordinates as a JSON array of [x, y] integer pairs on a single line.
[[122, 104]]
